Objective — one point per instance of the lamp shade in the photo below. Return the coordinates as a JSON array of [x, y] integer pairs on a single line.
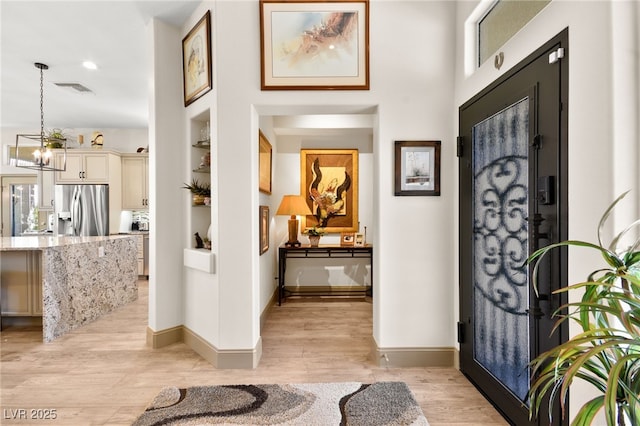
[[293, 205]]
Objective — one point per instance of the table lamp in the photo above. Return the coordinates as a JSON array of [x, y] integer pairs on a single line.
[[293, 205]]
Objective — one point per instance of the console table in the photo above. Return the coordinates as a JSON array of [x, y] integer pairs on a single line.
[[320, 252]]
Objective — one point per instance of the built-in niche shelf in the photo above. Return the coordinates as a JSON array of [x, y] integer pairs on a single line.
[[200, 215], [199, 259]]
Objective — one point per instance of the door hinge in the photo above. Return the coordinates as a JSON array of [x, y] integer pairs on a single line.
[[459, 145], [460, 332], [556, 55]]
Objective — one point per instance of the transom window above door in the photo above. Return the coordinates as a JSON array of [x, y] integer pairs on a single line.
[[493, 23]]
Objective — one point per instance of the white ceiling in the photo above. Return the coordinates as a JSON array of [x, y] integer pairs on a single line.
[[63, 34]]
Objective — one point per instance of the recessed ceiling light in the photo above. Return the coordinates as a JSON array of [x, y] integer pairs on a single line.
[[90, 65]]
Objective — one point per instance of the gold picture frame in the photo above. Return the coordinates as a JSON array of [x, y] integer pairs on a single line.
[[264, 163], [264, 229], [196, 60], [347, 239], [329, 184], [314, 45]]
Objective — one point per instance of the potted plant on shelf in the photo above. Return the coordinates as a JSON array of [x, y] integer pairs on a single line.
[[314, 235], [606, 354], [54, 138], [200, 192]]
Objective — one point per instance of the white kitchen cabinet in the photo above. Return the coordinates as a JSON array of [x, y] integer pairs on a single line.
[[21, 284], [84, 167], [45, 190], [135, 181]]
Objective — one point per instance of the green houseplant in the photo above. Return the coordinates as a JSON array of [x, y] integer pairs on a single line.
[[55, 137], [606, 353], [199, 190], [314, 235]]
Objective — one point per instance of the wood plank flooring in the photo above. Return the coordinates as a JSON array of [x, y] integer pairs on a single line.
[[104, 374]]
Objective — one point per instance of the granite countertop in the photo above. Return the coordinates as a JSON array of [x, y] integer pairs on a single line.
[[41, 242]]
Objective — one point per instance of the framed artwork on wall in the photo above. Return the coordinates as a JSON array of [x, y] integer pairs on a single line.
[[314, 45], [329, 184], [417, 168], [264, 229], [196, 60], [265, 161]]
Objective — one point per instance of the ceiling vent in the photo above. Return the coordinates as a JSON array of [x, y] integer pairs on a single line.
[[75, 86]]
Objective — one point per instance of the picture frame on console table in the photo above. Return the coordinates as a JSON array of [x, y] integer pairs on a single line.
[[196, 60], [417, 168], [314, 45], [329, 184], [347, 239]]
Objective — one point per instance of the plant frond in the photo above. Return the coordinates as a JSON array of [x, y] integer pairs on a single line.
[[606, 215], [588, 411]]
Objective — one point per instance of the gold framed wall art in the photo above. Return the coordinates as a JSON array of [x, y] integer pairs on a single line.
[[329, 184], [196, 60], [265, 163], [314, 45]]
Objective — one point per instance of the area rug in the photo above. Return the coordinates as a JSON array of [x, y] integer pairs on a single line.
[[314, 404]]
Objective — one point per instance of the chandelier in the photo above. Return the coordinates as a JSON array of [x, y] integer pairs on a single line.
[[34, 151]]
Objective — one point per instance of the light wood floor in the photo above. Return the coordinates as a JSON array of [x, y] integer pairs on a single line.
[[104, 374]]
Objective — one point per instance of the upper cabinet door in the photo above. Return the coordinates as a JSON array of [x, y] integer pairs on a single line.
[[96, 168], [84, 168], [135, 194], [73, 172]]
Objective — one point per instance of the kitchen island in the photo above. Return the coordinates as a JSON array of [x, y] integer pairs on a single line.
[[71, 280]]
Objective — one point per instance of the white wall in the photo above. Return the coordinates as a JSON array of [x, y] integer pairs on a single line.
[[594, 150], [413, 235], [166, 173]]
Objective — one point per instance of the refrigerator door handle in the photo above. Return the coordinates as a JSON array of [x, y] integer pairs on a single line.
[[76, 212]]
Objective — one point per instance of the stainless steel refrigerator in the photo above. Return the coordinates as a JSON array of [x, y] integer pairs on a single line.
[[82, 210]]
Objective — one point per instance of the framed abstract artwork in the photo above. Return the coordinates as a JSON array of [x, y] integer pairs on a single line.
[[314, 45], [417, 168], [265, 152], [329, 184], [196, 60]]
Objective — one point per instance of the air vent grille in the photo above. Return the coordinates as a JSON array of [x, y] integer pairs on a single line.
[[75, 86]]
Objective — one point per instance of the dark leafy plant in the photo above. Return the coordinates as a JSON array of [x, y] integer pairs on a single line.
[[315, 231], [606, 354], [198, 188]]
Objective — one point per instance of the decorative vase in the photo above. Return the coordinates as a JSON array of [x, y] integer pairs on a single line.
[[314, 240], [198, 200]]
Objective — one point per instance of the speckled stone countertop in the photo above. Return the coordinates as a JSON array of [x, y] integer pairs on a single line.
[[42, 242], [83, 278]]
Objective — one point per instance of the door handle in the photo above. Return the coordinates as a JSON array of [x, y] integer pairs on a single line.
[[537, 235]]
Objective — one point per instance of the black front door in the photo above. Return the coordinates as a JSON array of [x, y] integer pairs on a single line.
[[513, 190]]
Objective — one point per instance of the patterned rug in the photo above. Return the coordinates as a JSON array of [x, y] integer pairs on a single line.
[[316, 404]]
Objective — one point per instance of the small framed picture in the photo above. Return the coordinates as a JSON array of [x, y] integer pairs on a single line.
[[417, 168], [264, 229], [358, 240], [347, 239], [196, 60]]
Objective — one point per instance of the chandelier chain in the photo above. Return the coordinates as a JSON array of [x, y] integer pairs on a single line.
[[41, 107]]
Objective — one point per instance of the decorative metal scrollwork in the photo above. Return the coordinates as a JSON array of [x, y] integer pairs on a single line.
[[500, 234]]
